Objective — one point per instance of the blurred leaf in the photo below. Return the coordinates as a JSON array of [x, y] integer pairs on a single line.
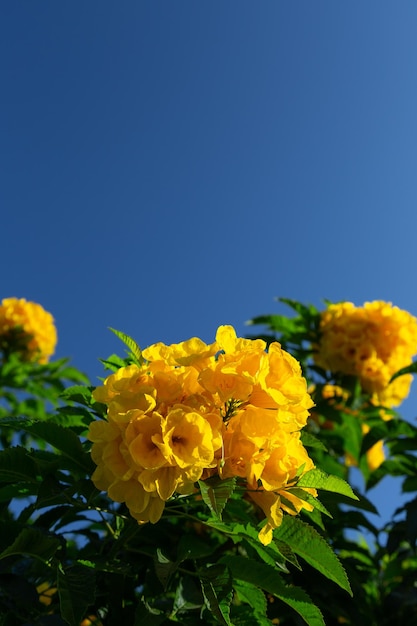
[[79, 394], [410, 369], [311, 441]]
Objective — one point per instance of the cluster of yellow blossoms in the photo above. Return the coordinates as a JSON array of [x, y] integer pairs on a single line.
[[193, 410], [26, 327], [372, 342]]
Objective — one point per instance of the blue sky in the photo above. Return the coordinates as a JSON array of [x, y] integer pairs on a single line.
[[169, 166]]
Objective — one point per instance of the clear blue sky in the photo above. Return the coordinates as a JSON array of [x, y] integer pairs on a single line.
[[169, 166]]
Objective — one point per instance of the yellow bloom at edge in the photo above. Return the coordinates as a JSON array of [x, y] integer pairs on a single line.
[[371, 342], [26, 328]]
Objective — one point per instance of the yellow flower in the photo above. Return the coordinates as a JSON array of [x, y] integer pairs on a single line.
[[192, 410], [371, 342], [46, 593], [26, 328]]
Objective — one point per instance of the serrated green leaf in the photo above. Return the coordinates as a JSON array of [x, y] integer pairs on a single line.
[[216, 492], [130, 343], [305, 541], [317, 479], [216, 584], [267, 578], [33, 542], [76, 588]]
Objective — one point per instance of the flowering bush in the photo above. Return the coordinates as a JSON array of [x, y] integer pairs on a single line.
[[26, 328], [206, 483], [191, 411]]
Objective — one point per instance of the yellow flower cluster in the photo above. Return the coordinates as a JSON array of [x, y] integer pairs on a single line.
[[26, 327], [372, 342], [193, 410]]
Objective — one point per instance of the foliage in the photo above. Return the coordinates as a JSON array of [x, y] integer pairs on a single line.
[[71, 555]]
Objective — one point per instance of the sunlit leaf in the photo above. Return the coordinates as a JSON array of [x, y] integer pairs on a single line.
[[305, 541], [318, 479], [130, 343]]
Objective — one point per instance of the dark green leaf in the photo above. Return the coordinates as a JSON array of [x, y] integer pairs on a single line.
[[33, 542], [17, 465], [66, 441], [216, 492], [267, 578], [164, 568], [216, 583], [76, 588], [410, 369]]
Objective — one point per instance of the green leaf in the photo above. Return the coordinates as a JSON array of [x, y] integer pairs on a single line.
[[252, 595], [78, 393], [76, 588], [33, 542], [216, 584], [113, 362], [307, 497], [164, 568], [267, 578], [17, 465], [64, 440], [187, 595], [317, 479], [130, 343], [147, 616], [410, 369], [216, 492], [305, 541], [310, 441]]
